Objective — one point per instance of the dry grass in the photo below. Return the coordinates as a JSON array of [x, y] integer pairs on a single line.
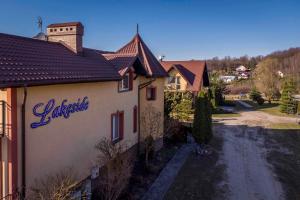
[[284, 155]]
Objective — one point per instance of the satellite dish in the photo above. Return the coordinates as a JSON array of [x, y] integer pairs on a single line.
[[161, 57]]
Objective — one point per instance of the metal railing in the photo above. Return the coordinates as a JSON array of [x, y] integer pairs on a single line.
[[3, 118], [15, 196]]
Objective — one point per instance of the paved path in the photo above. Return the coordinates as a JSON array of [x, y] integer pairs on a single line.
[[246, 105], [161, 185], [250, 177]]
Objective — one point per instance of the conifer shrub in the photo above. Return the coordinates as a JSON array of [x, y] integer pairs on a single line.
[[287, 103], [202, 126]]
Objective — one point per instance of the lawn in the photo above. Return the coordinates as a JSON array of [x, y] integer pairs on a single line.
[[225, 115], [270, 108], [199, 177], [286, 126]]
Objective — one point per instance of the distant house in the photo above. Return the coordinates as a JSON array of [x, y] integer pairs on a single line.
[[242, 72], [227, 79], [186, 75], [280, 74], [241, 68]]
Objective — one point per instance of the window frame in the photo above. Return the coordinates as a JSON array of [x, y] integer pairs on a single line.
[[117, 126], [153, 91], [130, 82]]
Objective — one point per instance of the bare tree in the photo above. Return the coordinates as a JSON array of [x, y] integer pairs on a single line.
[[57, 186], [115, 173], [151, 120], [267, 80]]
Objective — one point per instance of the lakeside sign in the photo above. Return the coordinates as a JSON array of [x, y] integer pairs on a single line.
[[50, 111]]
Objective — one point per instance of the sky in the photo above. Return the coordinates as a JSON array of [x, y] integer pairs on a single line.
[[178, 29]]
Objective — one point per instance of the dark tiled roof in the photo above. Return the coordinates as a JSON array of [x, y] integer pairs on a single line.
[[137, 47], [120, 61], [25, 61], [193, 71], [188, 75], [64, 24]]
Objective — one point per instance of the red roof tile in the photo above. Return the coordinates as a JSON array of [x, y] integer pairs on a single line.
[[137, 47], [26, 61], [193, 71]]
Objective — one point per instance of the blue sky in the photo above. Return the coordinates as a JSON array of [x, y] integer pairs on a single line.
[[186, 29]]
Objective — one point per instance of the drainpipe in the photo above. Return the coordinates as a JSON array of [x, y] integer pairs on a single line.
[[140, 87], [23, 141]]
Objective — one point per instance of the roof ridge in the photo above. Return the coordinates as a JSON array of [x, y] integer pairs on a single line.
[[28, 38]]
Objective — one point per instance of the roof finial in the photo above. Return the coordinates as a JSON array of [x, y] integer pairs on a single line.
[[137, 28]]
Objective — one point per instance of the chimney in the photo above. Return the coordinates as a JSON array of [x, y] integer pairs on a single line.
[[69, 34]]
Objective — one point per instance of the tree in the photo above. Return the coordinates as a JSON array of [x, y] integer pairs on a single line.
[[202, 126], [287, 103], [171, 99], [266, 78], [151, 129], [184, 109], [116, 170]]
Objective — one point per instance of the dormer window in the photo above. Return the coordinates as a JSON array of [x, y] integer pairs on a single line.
[[174, 82], [126, 83]]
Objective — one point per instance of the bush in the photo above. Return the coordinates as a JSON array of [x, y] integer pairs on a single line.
[[58, 186], [175, 132], [115, 174], [184, 109], [255, 95], [202, 126], [260, 101]]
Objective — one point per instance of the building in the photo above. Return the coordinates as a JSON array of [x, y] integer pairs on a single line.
[[58, 99], [242, 72], [227, 79], [189, 76]]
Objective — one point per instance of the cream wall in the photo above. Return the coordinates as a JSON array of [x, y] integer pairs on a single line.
[[158, 104], [183, 82], [71, 142]]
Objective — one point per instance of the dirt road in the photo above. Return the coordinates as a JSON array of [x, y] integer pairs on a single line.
[[248, 175]]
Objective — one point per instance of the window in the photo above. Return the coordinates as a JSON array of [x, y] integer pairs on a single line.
[[51, 30], [71, 29], [135, 110], [151, 93], [174, 82], [67, 29], [117, 126], [61, 29], [126, 83]]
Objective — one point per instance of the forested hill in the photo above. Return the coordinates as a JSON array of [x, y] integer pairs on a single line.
[[287, 61]]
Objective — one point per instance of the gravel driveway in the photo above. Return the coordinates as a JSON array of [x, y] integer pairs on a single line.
[[249, 176]]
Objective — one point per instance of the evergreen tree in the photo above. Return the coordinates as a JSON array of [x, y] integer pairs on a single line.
[[287, 104], [202, 126]]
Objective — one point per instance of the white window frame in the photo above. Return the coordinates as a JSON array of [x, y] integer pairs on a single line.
[[122, 83], [115, 127]]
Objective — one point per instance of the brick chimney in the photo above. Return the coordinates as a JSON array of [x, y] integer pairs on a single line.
[[70, 34]]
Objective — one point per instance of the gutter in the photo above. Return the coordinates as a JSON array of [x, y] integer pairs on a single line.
[[23, 141], [140, 87]]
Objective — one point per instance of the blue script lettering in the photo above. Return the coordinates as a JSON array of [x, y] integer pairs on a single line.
[[50, 111]]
